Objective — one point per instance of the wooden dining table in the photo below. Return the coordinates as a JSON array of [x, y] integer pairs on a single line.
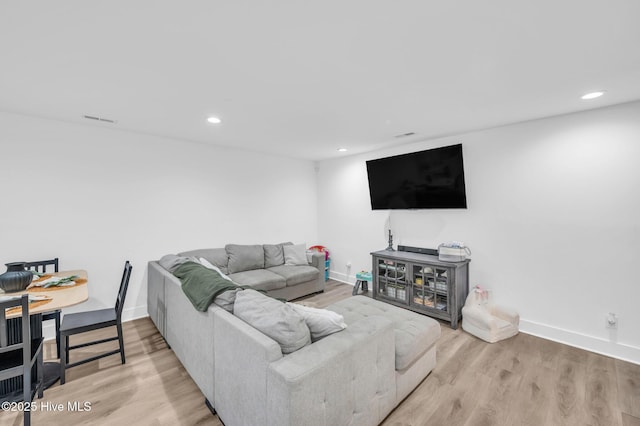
[[46, 299], [55, 297]]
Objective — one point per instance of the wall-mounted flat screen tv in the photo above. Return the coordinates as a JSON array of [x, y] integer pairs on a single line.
[[431, 179]]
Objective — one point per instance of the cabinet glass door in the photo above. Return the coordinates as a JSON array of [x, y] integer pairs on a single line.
[[392, 280], [430, 287]]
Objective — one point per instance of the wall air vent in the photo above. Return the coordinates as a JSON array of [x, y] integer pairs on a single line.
[[404, 135], [106, 120]]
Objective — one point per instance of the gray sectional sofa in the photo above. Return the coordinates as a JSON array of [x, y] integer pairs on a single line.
[[355, 376], [262, 267]]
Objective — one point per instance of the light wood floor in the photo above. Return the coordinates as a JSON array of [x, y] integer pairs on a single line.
[[521, 381]]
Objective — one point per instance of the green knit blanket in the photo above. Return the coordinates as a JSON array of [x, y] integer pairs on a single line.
[[201, 284]]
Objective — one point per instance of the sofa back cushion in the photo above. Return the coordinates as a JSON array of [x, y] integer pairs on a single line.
[[244, 257], [217, 257], [274, 254], [170, 262], [273, 318]]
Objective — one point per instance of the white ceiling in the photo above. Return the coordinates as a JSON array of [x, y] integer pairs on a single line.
[[302, 78]]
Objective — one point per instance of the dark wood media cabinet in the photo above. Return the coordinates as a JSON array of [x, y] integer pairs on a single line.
[[421, 283]]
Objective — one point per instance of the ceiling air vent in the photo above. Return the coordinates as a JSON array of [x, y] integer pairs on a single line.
[[106, 120], [404, 135]]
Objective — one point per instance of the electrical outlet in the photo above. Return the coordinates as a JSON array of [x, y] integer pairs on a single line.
[[611, 320]]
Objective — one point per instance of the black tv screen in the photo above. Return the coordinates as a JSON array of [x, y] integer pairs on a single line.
[[431, 179]]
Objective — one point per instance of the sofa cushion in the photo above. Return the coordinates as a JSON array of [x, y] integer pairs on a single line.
[[273, 318], [217, 257], [295, 255], [414, 333], [170, 262], [210, 265], [260, 279], [295, 275], [321, 322], [227, 299], [273, 255], [244, 257]]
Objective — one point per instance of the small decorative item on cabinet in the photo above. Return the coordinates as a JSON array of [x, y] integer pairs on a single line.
[[427, 301], [391, 291]]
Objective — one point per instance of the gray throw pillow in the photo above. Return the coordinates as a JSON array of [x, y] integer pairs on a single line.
[[273, 318], [215, 256], [244, 257], [227, 299], [170, 261], [295, 255], [273, 255]]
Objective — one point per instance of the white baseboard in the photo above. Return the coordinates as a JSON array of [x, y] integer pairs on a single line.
[[590, 343], [343, 278], [131, 314]]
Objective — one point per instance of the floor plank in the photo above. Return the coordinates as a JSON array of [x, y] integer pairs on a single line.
[[628, 379], [629, 420], [524, 380]]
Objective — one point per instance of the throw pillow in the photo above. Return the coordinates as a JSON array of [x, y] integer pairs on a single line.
[[217, 256], [170, 261], [273, 255], [208, 264], [244, 257], [321, 322], [295, 255], [227, 299], [273, 318]]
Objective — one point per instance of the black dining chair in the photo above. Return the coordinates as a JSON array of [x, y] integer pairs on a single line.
[[82, 322], [17, 359], [41, 267]]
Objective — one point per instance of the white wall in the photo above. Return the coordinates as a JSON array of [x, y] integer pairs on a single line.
[[95, 197], [553, 222]]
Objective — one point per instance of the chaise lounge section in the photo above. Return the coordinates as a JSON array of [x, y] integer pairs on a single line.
[[355, 376]]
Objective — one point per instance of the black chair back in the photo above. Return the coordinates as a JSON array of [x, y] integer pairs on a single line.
[[17, 359], [26, 329], [25, 344], [41, 265], [124, 284]]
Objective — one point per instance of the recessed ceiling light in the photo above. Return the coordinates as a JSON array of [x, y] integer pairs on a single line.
[[214, 120], [592, 95], [342, 149]]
